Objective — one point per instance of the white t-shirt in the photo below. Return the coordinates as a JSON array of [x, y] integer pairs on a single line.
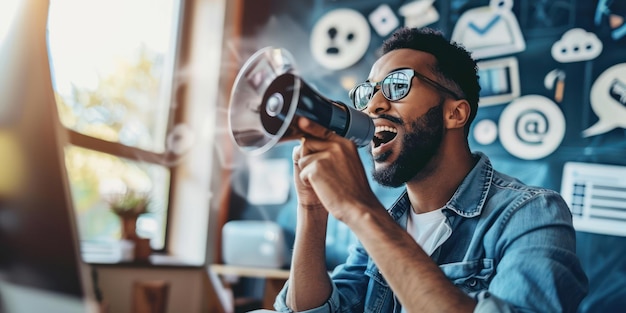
[[429, 230]]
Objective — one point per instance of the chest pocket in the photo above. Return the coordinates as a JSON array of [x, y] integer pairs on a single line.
[[470, 276], [379, 297]]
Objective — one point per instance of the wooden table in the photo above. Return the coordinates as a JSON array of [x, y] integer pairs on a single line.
[[219, 275]]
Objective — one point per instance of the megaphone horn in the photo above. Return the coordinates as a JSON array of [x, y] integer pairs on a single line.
[[266, 96]]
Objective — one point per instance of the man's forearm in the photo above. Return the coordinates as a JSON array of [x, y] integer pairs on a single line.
[[415, 279], [309, 284]]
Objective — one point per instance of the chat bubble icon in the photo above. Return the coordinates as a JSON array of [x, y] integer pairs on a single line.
[[608, 101], [576, 45]]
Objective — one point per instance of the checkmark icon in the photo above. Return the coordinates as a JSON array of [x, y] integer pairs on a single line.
[[485, 29], [489, 32]]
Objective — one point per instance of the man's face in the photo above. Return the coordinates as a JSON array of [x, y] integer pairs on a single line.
[[420, 143], [408, 131]]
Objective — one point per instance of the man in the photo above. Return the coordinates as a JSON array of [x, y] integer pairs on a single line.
[[462, 238]]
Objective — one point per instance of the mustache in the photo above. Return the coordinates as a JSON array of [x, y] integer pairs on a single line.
[[390, 118]]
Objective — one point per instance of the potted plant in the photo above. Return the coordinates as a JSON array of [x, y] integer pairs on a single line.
[[128, 206]]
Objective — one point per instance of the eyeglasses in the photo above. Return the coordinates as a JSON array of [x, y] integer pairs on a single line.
[[395, 86]]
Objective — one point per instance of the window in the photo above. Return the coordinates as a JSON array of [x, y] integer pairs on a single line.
[[112, 65], [8, 9]]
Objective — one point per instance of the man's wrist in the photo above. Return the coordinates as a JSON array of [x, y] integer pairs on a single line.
[[312, 206]]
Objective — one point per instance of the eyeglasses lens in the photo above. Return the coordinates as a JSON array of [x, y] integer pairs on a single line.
[[362, 95], [394, 87]]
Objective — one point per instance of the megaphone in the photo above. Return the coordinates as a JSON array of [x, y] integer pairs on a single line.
[[268, 94]]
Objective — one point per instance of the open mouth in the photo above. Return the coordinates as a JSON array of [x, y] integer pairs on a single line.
[[383, 135]]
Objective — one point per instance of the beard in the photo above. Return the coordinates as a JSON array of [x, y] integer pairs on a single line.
[[420, 145]]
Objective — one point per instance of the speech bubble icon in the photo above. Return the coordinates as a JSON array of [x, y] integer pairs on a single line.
[[608, 101], [576, 45]]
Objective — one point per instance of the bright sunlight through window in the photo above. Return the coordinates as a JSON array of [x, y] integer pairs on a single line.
[[8, 9], [112, 64]]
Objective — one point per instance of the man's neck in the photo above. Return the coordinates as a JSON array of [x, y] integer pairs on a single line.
[[445, 173]]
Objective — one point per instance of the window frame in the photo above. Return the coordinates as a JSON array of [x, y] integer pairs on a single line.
[[168, 94]]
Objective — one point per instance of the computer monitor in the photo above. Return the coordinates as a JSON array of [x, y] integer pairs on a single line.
[[40, 265]]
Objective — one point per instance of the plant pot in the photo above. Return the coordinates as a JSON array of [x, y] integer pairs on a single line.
[[142, 249], [129, 227]]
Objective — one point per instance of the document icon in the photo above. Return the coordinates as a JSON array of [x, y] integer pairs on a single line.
[[596, 195], [500, 81], [490, 31]]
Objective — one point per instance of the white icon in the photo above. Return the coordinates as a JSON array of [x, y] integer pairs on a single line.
[[595, 196], [383, 20], [499, 81], [490, 31], [608, 100], [419, 13], [576, 45], [555, 79], [340, 38], [531, 127], [485, 132]]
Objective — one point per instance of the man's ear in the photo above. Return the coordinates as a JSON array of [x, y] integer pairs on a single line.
[[456, 114]]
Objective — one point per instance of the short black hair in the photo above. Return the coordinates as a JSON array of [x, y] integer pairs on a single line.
[[455, 65]]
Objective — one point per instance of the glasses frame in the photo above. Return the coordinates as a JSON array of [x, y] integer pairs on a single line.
[[408, 72]]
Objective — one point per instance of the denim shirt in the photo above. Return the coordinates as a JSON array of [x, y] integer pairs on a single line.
[[512, 249]]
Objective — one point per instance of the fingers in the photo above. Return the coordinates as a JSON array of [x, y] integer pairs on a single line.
[[295, 154], [305, 147], [318, 138], [302, 154], [298, 152], [314, 129], [299, 162]]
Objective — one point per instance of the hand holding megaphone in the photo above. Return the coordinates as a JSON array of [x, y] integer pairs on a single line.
[[266, 96]]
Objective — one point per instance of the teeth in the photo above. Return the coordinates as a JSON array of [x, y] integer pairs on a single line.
[[384, 134], [386, 129]]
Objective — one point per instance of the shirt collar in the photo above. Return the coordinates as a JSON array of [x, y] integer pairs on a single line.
[[467, 200]]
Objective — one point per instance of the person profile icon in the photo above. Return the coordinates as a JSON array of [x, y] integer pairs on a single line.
[[489, 31]]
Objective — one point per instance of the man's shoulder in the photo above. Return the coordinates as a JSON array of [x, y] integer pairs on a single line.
[[509, 183], [511, 192]]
